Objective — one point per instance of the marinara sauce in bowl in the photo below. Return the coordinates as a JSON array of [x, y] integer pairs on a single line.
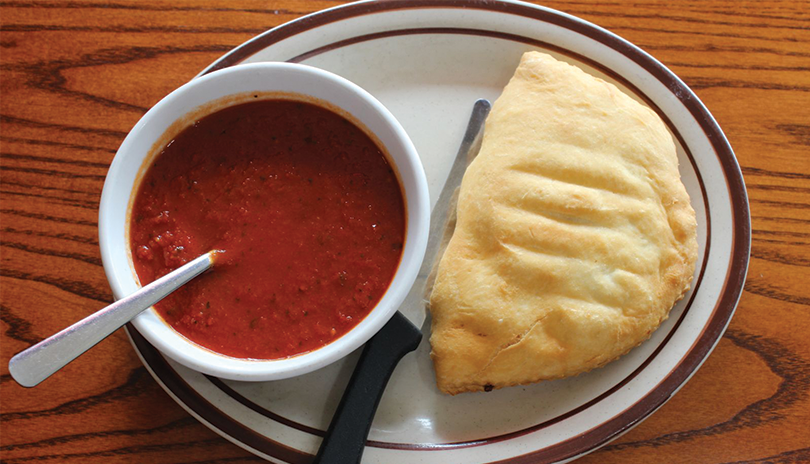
[[310, 190]]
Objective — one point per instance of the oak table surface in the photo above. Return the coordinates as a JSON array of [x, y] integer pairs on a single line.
[[75, 76]]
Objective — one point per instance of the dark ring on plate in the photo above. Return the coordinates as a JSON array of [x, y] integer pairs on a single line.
[[601, 434]]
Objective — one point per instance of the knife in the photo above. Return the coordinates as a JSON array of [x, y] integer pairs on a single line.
[[345, 440]]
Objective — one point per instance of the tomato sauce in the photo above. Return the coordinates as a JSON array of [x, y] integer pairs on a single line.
[[306, 208]]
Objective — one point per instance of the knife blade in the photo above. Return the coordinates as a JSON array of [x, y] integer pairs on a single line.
[[345, 439], [443, 216]]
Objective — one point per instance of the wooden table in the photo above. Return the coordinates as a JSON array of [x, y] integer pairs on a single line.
[[76, 76]]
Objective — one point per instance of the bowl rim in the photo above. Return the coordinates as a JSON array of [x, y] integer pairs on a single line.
[[400, 152]]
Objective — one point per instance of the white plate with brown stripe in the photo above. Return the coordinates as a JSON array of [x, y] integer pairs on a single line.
[[428, 61]]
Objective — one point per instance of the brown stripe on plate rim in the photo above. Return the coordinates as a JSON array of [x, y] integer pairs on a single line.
[[537, 43], [174, 382], [613, 428], [227, 390], [481, 441], [735, 277]]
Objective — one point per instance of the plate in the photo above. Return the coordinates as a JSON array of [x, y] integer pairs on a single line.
[[428, 61]]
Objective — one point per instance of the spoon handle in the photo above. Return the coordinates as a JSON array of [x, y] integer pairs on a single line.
[[38, 362]]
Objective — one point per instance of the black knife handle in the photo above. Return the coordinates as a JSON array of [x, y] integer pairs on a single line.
[[345, 439]]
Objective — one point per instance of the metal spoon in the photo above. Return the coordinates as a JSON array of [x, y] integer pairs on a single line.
[[40, 361]]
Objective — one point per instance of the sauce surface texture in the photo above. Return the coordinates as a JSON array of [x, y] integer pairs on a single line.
[[304, 204]]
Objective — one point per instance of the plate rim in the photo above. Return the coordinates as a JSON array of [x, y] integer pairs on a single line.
[[740, 233]]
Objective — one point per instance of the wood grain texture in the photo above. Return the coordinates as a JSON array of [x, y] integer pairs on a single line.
[[75, 76]]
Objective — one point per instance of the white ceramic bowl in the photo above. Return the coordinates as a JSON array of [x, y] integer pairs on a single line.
[[217, 90]]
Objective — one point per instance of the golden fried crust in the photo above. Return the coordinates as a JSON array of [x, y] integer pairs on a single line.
[[575, 236]]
